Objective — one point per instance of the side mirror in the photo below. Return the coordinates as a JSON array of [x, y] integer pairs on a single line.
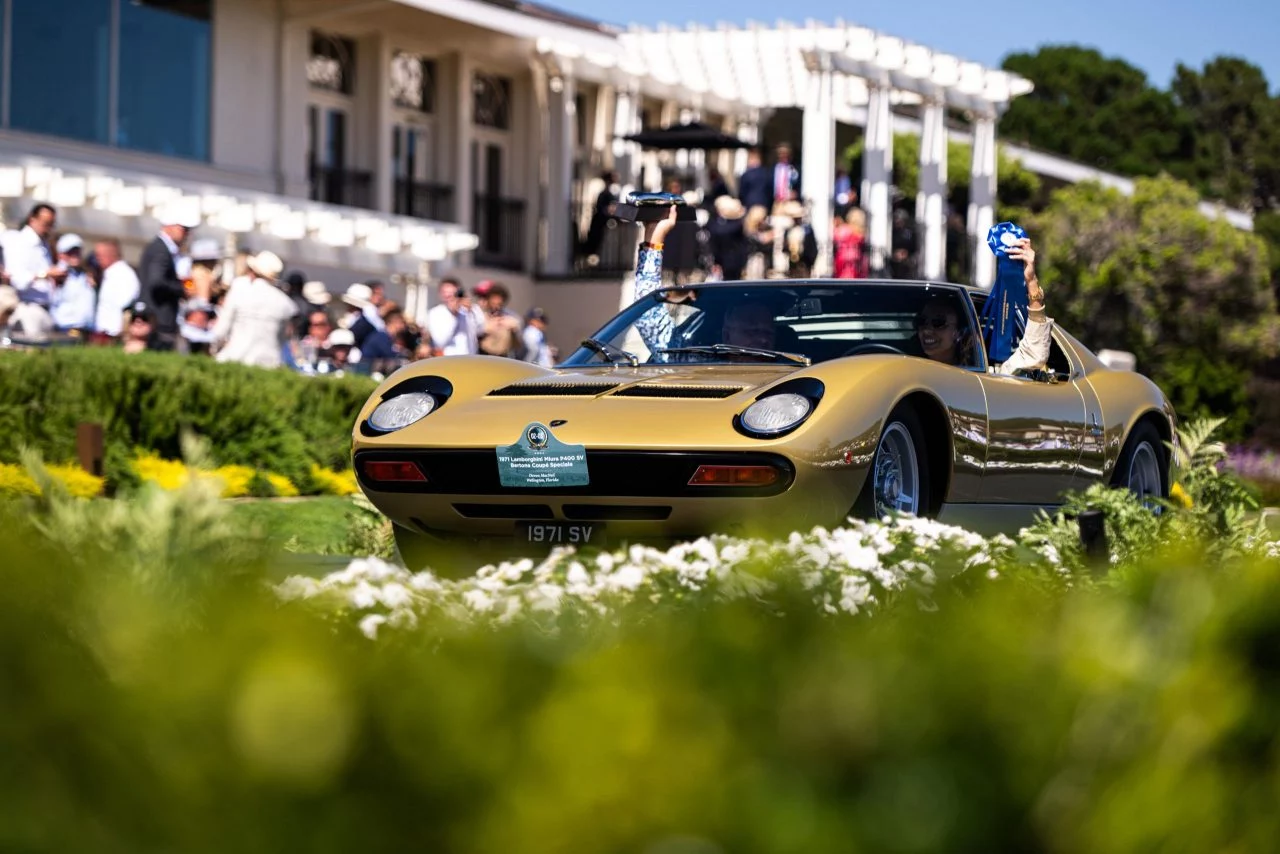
[[1118, 360]]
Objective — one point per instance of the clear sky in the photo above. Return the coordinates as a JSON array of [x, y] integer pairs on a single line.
[[1151, 34]]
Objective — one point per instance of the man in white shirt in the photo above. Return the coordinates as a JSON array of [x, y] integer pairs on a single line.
[[117, 291], [536, 348], [73, 302], [28, 259], [450, 324]]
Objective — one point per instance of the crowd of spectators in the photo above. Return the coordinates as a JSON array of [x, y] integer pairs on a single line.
[[189, 296], [764, 228]]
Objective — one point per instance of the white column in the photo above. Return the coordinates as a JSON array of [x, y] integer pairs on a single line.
[[817, 169], [877, 172], [291, 112], [464, 106], [561, 113], [982, 199], [382, 128], [601, 150], [625, 154], [931, 200], [748, 131]]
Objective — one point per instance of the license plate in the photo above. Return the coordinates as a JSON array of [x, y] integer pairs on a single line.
[[560, 533]]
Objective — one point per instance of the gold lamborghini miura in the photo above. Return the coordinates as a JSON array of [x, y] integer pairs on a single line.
[[666, 425]]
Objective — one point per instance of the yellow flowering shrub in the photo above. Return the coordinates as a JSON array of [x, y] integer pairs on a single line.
[[78, 482], [235, 480], [282, 486], [329, 482], [14, 480], [166, 474]]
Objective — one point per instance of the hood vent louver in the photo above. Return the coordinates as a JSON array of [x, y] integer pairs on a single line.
[[551, 389], [704, 392]]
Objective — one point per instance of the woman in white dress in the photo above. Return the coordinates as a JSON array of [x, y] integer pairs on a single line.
[[255, 321]]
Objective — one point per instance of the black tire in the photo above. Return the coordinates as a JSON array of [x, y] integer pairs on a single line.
[[903, 417], [1144, 436]]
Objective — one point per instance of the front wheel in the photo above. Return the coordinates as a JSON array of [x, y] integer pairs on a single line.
[[1141, 467], [898, 481]]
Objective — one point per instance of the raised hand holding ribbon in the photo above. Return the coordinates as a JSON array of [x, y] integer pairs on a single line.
[[1008, 299]]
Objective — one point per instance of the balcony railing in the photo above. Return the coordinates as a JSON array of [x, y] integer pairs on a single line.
[[337, 186], [424, 200], [499, 224]]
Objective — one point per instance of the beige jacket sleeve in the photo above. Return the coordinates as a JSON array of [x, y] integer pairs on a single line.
[[1033, 350]]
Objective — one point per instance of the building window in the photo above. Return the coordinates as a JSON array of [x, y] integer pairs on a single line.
[[129, 73], [59, 68], [164, 77], [332, 64], [492, 101], [413, 82]]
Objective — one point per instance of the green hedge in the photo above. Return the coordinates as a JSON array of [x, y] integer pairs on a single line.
[[272, 420]]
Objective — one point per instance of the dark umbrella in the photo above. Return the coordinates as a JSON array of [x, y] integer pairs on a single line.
[[692, 136]]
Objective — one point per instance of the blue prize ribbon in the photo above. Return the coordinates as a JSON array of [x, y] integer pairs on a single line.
[[1006, 306]]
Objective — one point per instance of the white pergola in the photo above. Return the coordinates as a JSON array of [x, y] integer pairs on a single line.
[[835, 73]]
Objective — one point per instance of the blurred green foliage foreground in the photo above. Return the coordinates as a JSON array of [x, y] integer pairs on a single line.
[[159, 694]]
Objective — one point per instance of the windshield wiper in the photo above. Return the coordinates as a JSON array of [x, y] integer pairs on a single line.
[[715, 349], [611, 353]]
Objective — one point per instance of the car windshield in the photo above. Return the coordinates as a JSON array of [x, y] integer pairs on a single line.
[[770, 323]]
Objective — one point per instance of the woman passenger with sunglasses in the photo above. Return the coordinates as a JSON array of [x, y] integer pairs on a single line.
[[942, 339]]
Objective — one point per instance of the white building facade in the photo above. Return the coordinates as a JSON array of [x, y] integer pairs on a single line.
[[403, 139]]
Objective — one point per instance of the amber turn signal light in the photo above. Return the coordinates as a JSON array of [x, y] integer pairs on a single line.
[[734, 476], [387, 471]]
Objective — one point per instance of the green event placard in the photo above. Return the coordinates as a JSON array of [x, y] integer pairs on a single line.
[[540, 459]]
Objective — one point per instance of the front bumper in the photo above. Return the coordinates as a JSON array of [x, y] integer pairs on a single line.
[[638, 494]]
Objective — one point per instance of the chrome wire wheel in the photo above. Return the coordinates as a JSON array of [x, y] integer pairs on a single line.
[[1144, 472], [896, 477]]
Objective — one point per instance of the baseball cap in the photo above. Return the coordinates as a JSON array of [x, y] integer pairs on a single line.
[[69, 243], [140, 309], [341, 338], [537, 314], [483, 288]]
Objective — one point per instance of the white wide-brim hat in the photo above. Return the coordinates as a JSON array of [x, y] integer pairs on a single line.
[[316, 293], [265, 264], [358, 296]]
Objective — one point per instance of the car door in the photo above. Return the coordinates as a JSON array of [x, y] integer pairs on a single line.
[[1036, 431]]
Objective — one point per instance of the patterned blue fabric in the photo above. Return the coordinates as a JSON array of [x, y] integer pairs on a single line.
[[1006, 307], [655, 325]]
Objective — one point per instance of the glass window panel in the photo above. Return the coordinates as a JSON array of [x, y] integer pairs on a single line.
[[332, 63], [165, 77], [413, 82], [60, 68], [492, 103]]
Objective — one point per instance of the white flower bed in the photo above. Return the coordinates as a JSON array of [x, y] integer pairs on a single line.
[[850, 570]]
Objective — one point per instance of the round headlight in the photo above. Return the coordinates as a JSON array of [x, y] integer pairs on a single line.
[[776, 413], [401, 411]]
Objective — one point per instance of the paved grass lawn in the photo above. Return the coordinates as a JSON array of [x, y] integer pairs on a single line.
[[319, 524]]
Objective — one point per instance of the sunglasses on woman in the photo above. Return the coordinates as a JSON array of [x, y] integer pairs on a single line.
[[935, 322]]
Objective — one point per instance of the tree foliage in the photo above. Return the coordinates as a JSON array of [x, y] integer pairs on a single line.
[[1100, 111], [1148, 273], [1237, 131]]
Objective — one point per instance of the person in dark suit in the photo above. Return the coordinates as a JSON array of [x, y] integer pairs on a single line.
[[162, 288], [784, 179], [754, 187]]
